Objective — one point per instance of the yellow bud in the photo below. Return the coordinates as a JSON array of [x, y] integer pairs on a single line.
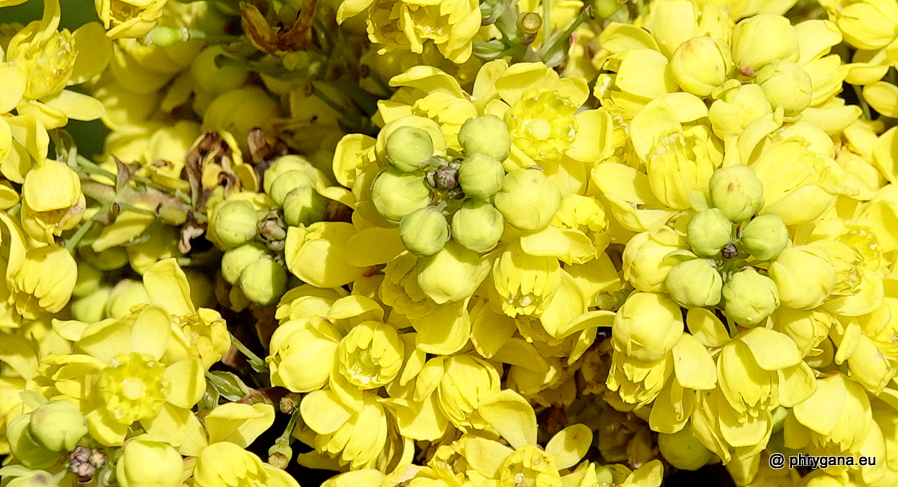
[[147, 463], [647, 326], [452, 274], [699, 65], [763, 39], [804, 276]]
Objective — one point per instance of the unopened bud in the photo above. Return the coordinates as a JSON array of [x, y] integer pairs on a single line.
[[409, 148]]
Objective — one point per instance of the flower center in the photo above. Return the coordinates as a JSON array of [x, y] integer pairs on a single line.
[[542, 124], [133, 387]]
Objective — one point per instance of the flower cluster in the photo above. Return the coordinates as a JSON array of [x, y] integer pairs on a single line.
[[448, 243]]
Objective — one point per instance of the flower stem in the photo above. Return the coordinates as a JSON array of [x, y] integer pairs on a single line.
[[560, 42], [255, 362]]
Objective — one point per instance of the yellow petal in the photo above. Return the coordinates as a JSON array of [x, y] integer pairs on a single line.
[[772, 350], [883, 97], [486, 456], [512, 416], [168, 287], [14, 81], [151, 332], [94, 52], [75, 105], [187, 382], [570, 445], [237, 423], [693, 364]]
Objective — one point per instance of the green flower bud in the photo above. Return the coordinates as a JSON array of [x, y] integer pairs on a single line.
[[452, 274], [485, 135], [694, 283], [25, 447], [234, 261], [263, 281], [236, 223], [58, 425], [804, 276], [285, 164], [765, 236], [424, 232], [737, 191], [92, 308], [528, 199], [786, 85], [699, 65], [647, 326], [304, 206], [287, 183], [409, 148], [480, 176], [89, 280], [396, 194], [708, 231], [683, 450], [146, 463], [750, 297], [477, 225]]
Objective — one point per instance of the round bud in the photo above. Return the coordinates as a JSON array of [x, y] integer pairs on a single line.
[[647, 326], [234, 261], [287, 183], [528, 199], [804, 276], [409, 148], [263, 281], [424, 232], [485, 135], [786, 85], [477, 225], [25, 447], [480, 176], [147, 463], [699, 65], [58, 425], [765, 236], [304, 206], [450, 275], [694, 283], [683, 450], [236, 223], [737, 191], [750, 297], [396, 194], [709, 231]]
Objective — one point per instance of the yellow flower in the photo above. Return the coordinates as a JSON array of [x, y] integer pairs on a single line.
[[225, 464], [524, 284], [354, 434], [836, 418], [52, 201], [312, 333], [129, 18], [43, 282], [399, 24], [370, 355]]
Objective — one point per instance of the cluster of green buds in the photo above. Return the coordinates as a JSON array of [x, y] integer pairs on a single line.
[[436, 198], [252, 228], [729, 240]]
